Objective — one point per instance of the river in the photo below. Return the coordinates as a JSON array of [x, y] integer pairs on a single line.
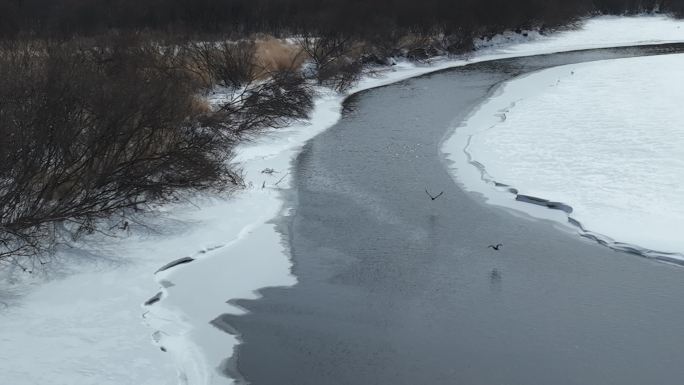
[[395, 288]]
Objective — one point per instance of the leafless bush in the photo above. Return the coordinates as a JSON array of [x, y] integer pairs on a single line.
[[335, 62], [379, 50], [90, 130], [458, 41], [256, 97], [224, 64], [417, 47], [272, 103]]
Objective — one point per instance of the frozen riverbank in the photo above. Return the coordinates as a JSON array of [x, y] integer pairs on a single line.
[[605, 139], [83, 324]]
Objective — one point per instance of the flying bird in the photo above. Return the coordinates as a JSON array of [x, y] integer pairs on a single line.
[[497, 247], [434, 197]]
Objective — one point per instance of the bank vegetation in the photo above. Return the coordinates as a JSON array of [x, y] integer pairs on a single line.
[[104, 104]]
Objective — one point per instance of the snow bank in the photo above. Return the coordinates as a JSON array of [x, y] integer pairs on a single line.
[[84, 323], [605, 138], [604, 31]]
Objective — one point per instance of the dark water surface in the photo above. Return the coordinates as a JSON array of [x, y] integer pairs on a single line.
[[396, 289]]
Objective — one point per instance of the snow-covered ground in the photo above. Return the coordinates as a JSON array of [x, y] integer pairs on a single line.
[[606, 31], [606, 138], [84, 322]]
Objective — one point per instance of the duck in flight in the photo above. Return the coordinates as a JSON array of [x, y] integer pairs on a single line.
[[434, 197], [497, 247]]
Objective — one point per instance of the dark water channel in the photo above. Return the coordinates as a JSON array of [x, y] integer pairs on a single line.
[[396, 289]]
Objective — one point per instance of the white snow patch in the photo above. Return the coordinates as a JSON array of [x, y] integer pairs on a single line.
[[606, 138], [84, 323], [598, 32]]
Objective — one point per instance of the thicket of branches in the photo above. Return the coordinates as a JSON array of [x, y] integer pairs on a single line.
[[258, 97], [96, 127]]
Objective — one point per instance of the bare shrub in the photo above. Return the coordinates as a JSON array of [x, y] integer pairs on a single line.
[[341, 74], [225, 64], [271, 103], [378, 50], [256, 96], [90, 130], [335, 62], [458, 40]]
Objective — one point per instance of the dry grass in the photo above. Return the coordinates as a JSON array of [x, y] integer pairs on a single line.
[[274, 55], [270, 55]]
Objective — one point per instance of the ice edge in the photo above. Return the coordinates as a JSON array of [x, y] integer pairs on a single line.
[[604, 240]]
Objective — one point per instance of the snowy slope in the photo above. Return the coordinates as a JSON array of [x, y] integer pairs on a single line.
[[606, 138], [84, 321]]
